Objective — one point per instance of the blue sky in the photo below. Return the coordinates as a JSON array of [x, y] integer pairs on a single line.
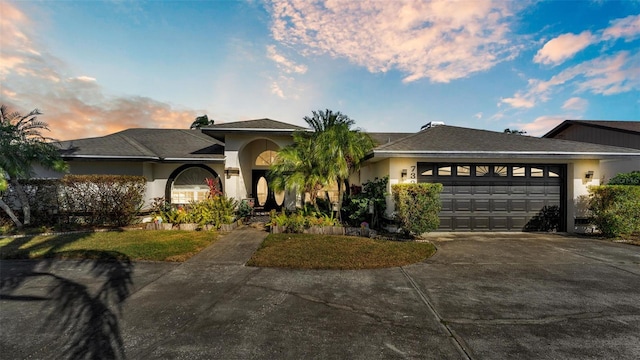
[[94, 67]]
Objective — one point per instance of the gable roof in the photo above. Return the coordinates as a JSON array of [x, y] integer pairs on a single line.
[[632, 127], [146, 144], [256, 125], [451, 141]]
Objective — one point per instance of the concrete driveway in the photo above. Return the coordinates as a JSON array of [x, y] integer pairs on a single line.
[[482, 296]]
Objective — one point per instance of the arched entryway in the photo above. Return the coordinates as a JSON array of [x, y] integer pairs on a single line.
[[258, 156], [188, 183]]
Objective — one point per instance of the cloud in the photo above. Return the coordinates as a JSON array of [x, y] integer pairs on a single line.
[[439, 40], [563, 47], [626, 28], [541, 125], [284, 64], [73, 106], [575, 103], [478, 116], [604, 75]]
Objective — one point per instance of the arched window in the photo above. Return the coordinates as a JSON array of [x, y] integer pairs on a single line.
[[266, 158], [190, 185]]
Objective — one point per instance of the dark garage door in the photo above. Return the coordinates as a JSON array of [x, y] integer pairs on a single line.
[[498, 197]]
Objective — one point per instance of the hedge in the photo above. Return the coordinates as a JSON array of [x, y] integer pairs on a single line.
[[615, 209], [417, 206], [88, 199]]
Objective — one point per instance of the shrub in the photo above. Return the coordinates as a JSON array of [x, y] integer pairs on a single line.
[[102, 199], [356, 206], [615, 209], [632, 178], [417, 206]]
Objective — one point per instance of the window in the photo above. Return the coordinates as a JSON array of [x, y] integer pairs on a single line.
[[519, 171], [266, 158], [463, 170], [482, 170], [500, 170], [537, 172], [263, 191], [554, 171], [427, 170], [444, 170], [190, 186]]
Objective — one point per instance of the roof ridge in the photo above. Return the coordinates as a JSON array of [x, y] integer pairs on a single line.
[[145, 150], [402, 139]]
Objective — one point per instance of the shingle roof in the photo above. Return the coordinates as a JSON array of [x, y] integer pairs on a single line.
[[385, 138], [624, 126], [147, 144], [451, 141], [257, 124]]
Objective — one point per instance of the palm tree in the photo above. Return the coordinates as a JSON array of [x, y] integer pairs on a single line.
[[295, 168], [201, 121], [339, 148], [22, 145], [327, 155]]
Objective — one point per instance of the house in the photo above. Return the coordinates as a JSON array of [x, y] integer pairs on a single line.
[[614, 133], [495, 181], [492, 181]]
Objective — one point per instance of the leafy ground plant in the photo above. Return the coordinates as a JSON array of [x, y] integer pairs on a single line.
[[135, 245], [306, 251]]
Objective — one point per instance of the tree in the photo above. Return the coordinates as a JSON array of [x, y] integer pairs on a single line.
[[201, 121], [339, 148], [514, 131], [295, 168], [22, 145], [328, 154]]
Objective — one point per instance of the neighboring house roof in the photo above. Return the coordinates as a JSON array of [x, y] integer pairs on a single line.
[[450, 141], [257, 124], [622, 126], [147, 144]]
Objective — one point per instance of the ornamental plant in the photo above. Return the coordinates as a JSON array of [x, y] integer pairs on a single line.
[[417, 206], [615, 209]]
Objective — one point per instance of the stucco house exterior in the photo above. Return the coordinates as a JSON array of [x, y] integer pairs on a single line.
[[493, 181]]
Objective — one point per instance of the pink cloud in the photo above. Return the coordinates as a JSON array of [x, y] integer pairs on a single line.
[[575, 103], [73, 106], [627, 28], [541, 125], [563, 47], [439, 40]]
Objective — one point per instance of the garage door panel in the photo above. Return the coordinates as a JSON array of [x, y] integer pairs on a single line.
[[536, 190], [482, 190], [447, 205], [481, 223], [463, 190], [462, 205], [500, 189], [461, 223], [535, 206], [499, 223], [518, 205], [500, 205], [481, 205]]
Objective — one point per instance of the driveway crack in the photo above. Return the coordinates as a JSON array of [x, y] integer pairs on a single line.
[[457, 341]]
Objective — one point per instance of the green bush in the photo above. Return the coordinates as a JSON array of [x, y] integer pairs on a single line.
[[102, 199], [417, 206], [355, 207], [297, 222], [615, 209], [632, 178]]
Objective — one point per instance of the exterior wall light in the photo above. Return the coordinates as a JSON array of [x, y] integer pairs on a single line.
[[403, 174], [588, 175]]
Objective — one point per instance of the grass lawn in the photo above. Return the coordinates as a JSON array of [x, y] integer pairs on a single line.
[[134, 245], [306, 251]]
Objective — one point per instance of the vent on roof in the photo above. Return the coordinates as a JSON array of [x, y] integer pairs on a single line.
[[431, 124]]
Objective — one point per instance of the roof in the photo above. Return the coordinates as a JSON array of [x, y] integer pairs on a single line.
[[622, 126], [147, 144], [380, 138], [257, 124], [452, 141]]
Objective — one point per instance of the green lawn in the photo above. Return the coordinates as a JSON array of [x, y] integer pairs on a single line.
[[134, 245], [305, 251]]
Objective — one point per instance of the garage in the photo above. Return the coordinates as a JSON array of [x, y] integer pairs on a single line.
[[499, 196]]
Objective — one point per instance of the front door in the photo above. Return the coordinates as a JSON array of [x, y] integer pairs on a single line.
[[265, 199]]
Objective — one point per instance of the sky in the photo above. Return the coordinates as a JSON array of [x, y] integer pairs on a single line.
[[97, 67]]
